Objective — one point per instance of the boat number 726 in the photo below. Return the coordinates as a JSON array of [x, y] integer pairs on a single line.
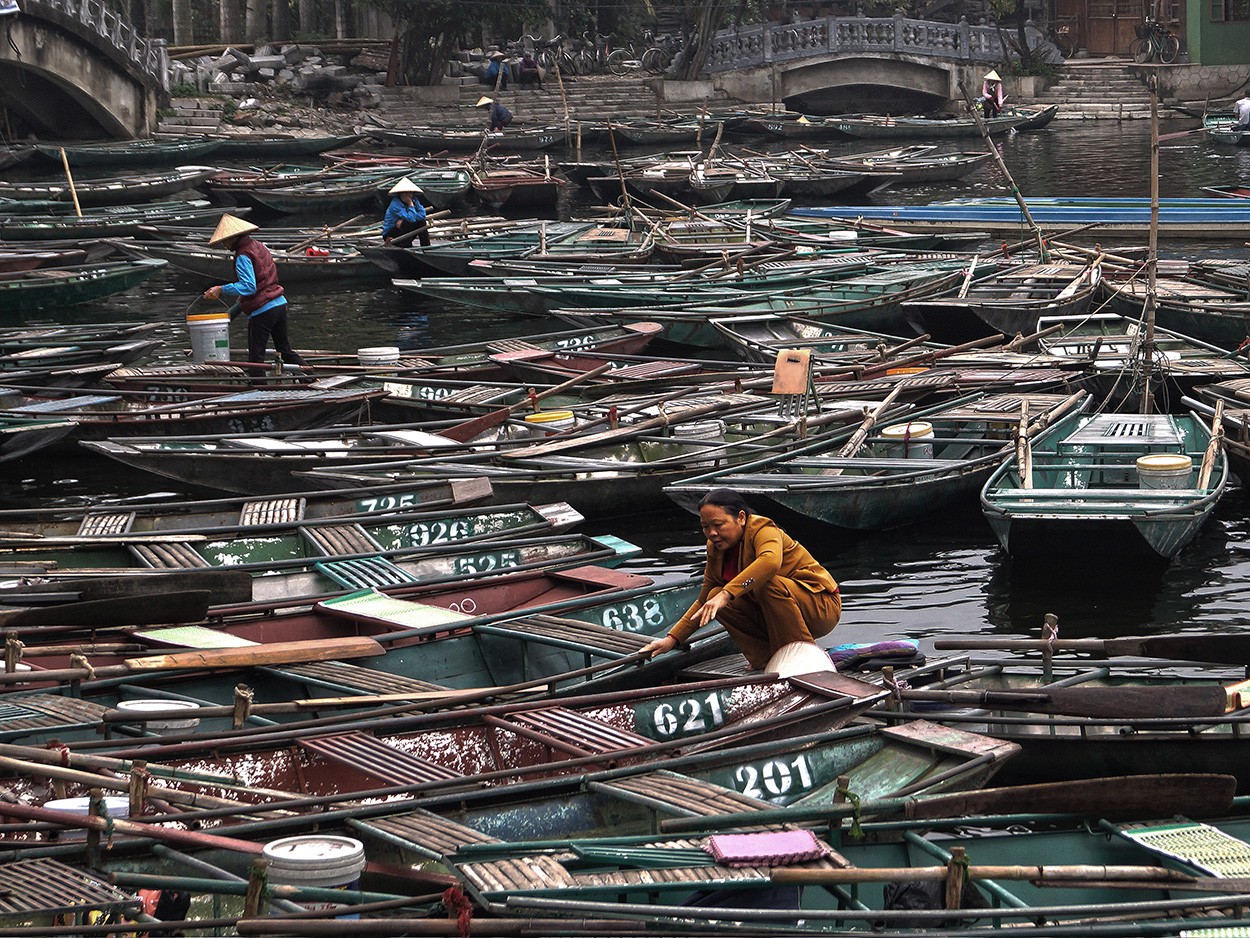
[[774, 778], [632, 617], [688, 716]]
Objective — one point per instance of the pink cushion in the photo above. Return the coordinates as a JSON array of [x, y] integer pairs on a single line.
[[778, 848]]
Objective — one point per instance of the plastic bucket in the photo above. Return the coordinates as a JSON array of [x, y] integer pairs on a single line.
[[709, 430], [117, 806], [210, 337], [1164, 471], [140, 707], [378, 355], [324, 861], [551, 421], [913, 440]]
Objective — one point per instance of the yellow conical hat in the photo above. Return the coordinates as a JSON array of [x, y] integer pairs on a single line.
[[230, 226], [483, 101], [992, 76]]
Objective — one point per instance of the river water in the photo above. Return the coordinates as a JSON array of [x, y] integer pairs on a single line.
[[943, 575]]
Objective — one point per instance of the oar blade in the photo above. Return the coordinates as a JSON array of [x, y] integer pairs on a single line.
[[1138, 702], [143, 609], [1217, 648]]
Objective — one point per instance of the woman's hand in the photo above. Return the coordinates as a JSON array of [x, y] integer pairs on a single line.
[[212, 293], [707, 612], [659, 646]]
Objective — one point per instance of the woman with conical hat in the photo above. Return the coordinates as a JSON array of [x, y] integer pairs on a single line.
[[992, 95], [498, 117], [255, 288], [405, 213]]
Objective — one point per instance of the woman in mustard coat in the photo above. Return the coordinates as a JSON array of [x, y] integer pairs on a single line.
[[759, 583]]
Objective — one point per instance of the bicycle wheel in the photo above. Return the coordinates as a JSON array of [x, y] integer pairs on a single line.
[[655, 60], [583, 63], [618, 62], [1170, 50], [1141, 50]]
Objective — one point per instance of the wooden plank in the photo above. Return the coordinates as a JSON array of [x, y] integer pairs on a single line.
[[254, 656]]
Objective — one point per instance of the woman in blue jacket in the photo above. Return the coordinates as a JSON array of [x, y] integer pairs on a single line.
[[405, 213]]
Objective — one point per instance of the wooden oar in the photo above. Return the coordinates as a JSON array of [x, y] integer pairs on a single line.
[[321, 234], [405, 239], [852, 445], [247, 656], [1176, 135], [1213, 447], [73, 190], [1217, 648], [1120, 702], [1055, 873], [464, 432], [150, 609]]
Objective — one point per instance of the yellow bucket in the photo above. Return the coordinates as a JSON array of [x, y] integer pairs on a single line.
[[908, 440], [1164, 471], [551, 421]]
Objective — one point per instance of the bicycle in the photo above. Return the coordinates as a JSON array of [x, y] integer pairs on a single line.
[[659, 57], [624, 59], [1154, 39], [591, 54], [550, 53], [1064, 37]]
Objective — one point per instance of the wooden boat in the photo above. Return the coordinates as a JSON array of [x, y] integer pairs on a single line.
[[130, 153], [108, 222], [1220, 128], [21, 436], [1210, 313], [56, 287], [1079, 486], [887, 479], [441, 187], [438, 139], [760, 337], [12, 155], [800, 182], [873, 127], [516, 187], [658, 133], [122, 190], [791, 126], [278, 146], [908, 165], [452, 257], [611, 245], [343, 193], [336, 264], [101, 416], [1008, 301], [13, 261], [19, 338]]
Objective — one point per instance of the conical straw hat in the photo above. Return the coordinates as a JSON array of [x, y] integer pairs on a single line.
[[229, 227], [992, 76], [405, 185], [483, 101]]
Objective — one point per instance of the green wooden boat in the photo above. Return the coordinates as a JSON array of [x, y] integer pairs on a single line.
[[130, 153], [282, 147], [121, 190], [58, 287], [108, 222], [1086, 491]]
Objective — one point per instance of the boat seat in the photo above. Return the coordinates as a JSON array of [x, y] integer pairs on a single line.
[[514, 345], [272, 511], [80, 402], [586, 637], [370, 755], [175, 555], [568, 731], [45, 887], [1201, 846], [426, 833], [678, 795], [1125, 430], [333, 540], [99, 524], [340, 676], [522, 874], [363, 572], [371, 606], [20, 716], [194, 636], [645, 370]]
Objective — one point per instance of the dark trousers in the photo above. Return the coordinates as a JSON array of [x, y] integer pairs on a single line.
[[403, 227], [991, 107], [260, 327]]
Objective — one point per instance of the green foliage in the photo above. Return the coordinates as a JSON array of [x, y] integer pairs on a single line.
[[183, 90], [1035, 67]]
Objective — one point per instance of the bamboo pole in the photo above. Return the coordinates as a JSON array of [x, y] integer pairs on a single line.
[[1213, 446], [1147, 349], [73, 191], [1024, 448], [1065, 873]]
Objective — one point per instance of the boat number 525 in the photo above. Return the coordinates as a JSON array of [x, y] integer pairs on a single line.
[[774, 778]]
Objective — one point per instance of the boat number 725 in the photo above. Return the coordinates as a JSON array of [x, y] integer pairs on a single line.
[[774, 778], [688, 716]]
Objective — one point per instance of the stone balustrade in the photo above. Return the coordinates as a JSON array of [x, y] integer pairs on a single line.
[[767, 43], [146, 57]]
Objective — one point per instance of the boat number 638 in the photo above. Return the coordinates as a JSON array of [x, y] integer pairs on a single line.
[[631, 617], [774, 778]]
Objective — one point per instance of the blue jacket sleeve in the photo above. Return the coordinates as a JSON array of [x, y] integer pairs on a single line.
[[245, 285]]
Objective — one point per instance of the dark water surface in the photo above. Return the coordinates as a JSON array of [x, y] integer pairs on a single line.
[[942, 575]]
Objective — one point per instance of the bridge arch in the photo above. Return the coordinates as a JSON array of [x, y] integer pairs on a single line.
[[867, 83], [71, 69]]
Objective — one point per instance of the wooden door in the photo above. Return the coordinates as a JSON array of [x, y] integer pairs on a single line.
[[1112, 25]]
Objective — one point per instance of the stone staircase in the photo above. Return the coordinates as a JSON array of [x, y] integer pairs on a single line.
[[191, 116], [591, 99], [1097, 91]]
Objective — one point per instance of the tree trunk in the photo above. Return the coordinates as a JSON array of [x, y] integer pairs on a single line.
[[257, 25], [700, 45], [1026, 54], [231, 22], [184, 23], [307, 18], [282, 20], [340, 19]]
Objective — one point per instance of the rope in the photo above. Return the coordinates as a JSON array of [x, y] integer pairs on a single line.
[[63, 750], [856, 831], [459, 908], [1050, 632], [77, 660]]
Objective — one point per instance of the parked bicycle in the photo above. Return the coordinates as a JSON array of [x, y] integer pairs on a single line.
[[1154, 39], [590, 55], [1065, 36]]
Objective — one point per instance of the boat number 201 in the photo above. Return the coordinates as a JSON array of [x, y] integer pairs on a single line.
[[774, 778], [634, 617], [687, 717]]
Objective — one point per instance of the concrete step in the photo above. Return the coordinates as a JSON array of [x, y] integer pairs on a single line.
[[181, 121]]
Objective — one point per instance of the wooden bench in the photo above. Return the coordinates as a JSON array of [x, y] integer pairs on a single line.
[[339, 676], [369, 605], [568, 731], [678, 795], [333, 540], [426, 833], [363, 572], [370, 755], [272, 511], [103, 523], [168, 555]]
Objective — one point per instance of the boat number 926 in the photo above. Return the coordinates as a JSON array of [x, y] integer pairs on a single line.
[[437, 532], [484, 563], [634, 617], [674, 719], [775, 778]]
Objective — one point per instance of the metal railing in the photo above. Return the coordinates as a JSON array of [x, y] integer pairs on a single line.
[[838, 35], [147, 57]]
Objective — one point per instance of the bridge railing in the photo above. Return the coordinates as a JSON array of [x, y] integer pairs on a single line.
[[785, 42], [146, 56]]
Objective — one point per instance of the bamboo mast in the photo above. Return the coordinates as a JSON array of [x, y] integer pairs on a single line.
[[1152, 251]]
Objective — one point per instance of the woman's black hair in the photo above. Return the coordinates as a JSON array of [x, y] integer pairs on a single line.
[[728, 499]]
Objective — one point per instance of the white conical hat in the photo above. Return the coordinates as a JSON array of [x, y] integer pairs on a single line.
[[799, 658], [230, 226], [405, 185], [992, 76], [483, 101]]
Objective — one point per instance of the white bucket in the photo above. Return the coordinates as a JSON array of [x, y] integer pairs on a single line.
[[378, 355], [141, 707], [551, 421], [210, 337], [323, 861], [709, 430], [1164, 471], [913, 440], [117, 806]]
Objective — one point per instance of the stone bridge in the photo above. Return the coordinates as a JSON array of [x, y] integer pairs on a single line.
[[73, 69], [855, 63]]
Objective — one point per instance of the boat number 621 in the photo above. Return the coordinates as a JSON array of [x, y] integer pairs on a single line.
[[689, 716], [774, 778]]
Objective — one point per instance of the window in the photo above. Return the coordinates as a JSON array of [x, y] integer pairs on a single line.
[[1228, 11]]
